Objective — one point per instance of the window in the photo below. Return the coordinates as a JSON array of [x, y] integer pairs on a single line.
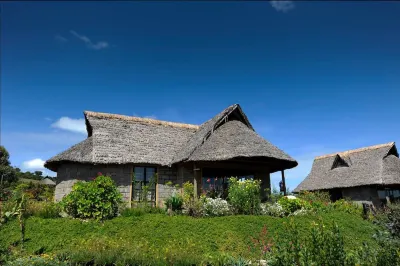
[[393, 194], [144, 176], [215, 182]]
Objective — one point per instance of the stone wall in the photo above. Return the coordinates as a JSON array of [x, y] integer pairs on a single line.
[[68, 174], [362, 194], [176, 175]]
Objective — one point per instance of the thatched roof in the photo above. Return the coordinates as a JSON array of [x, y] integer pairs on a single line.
[[207, 128], [118, 139], [374, 165], [235, 140], [47, 181]]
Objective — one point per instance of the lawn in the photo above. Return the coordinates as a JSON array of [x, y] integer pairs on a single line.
[[156, 235]]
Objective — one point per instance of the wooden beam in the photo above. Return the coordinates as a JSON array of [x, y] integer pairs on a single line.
[[283, 182], [197, 180]]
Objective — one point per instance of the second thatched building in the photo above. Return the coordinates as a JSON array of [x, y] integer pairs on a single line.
[[370, 174]]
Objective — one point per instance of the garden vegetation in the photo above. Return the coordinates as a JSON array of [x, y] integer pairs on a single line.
[[91, 226]]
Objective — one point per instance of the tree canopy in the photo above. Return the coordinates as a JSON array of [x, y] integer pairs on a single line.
[[4, 156]]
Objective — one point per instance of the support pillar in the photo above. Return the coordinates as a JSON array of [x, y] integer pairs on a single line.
[[283, 182], [197, 181]]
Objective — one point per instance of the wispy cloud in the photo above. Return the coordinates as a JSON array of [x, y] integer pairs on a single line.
[[282, 5], [91, 45], [34, 164], [60, 38], [70, 124]]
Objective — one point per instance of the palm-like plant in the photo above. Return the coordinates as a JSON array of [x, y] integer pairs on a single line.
[[19, 211]]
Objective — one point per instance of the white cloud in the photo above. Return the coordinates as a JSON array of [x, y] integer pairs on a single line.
[[95, 46], [34, 164], [70, 124], [60, 38], [282, 5]]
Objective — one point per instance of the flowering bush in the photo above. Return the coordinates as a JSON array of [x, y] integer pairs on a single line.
[[244, 196], [216, 207], [98, 199], [274, 210]]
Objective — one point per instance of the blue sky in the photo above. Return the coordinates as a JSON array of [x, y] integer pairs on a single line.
[[313, 77]]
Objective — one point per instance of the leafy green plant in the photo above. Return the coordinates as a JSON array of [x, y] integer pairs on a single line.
[[192, 205], [244, 196], [43, 260], [139, 211], [35, 191], [19, 210], [347, 206], [322, 246], [43, 209], [174, 202], [389, 217], [290, 205], [97, 199], [316, 196]]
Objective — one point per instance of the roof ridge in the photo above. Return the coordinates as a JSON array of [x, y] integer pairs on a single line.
[[346, 153], [140, 120]]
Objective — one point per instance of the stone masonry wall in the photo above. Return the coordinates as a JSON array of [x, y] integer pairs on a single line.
[[68, 174], [177, 175]]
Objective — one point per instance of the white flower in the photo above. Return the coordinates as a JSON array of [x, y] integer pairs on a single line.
[[275, 210], [216, 207]]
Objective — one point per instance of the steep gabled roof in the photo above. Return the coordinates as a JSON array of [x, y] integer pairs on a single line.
[[208, 127], [234, 139], [374, 165], [118, 139]]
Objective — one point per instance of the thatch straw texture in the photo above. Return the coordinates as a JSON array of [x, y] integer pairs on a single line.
[[235, 140], [374, 165], [118, 139]]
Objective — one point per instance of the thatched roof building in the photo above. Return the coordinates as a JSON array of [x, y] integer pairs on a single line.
[[375, 166], [119, 139], [228, 140]]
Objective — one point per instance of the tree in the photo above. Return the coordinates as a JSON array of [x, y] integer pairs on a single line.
[[4, 156], [38, 173], [7, 175]]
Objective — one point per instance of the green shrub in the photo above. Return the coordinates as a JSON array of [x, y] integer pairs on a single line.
[[244, 196], [139, 211], [291, 205], [97, 199], [188, 193], [43, 209], [322, 245], [347, 206], [43, 260], [316, 196], [390, 218], [174, 202], [35, 191]]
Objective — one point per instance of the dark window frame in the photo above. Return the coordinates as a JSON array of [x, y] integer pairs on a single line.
[[136, 192]]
